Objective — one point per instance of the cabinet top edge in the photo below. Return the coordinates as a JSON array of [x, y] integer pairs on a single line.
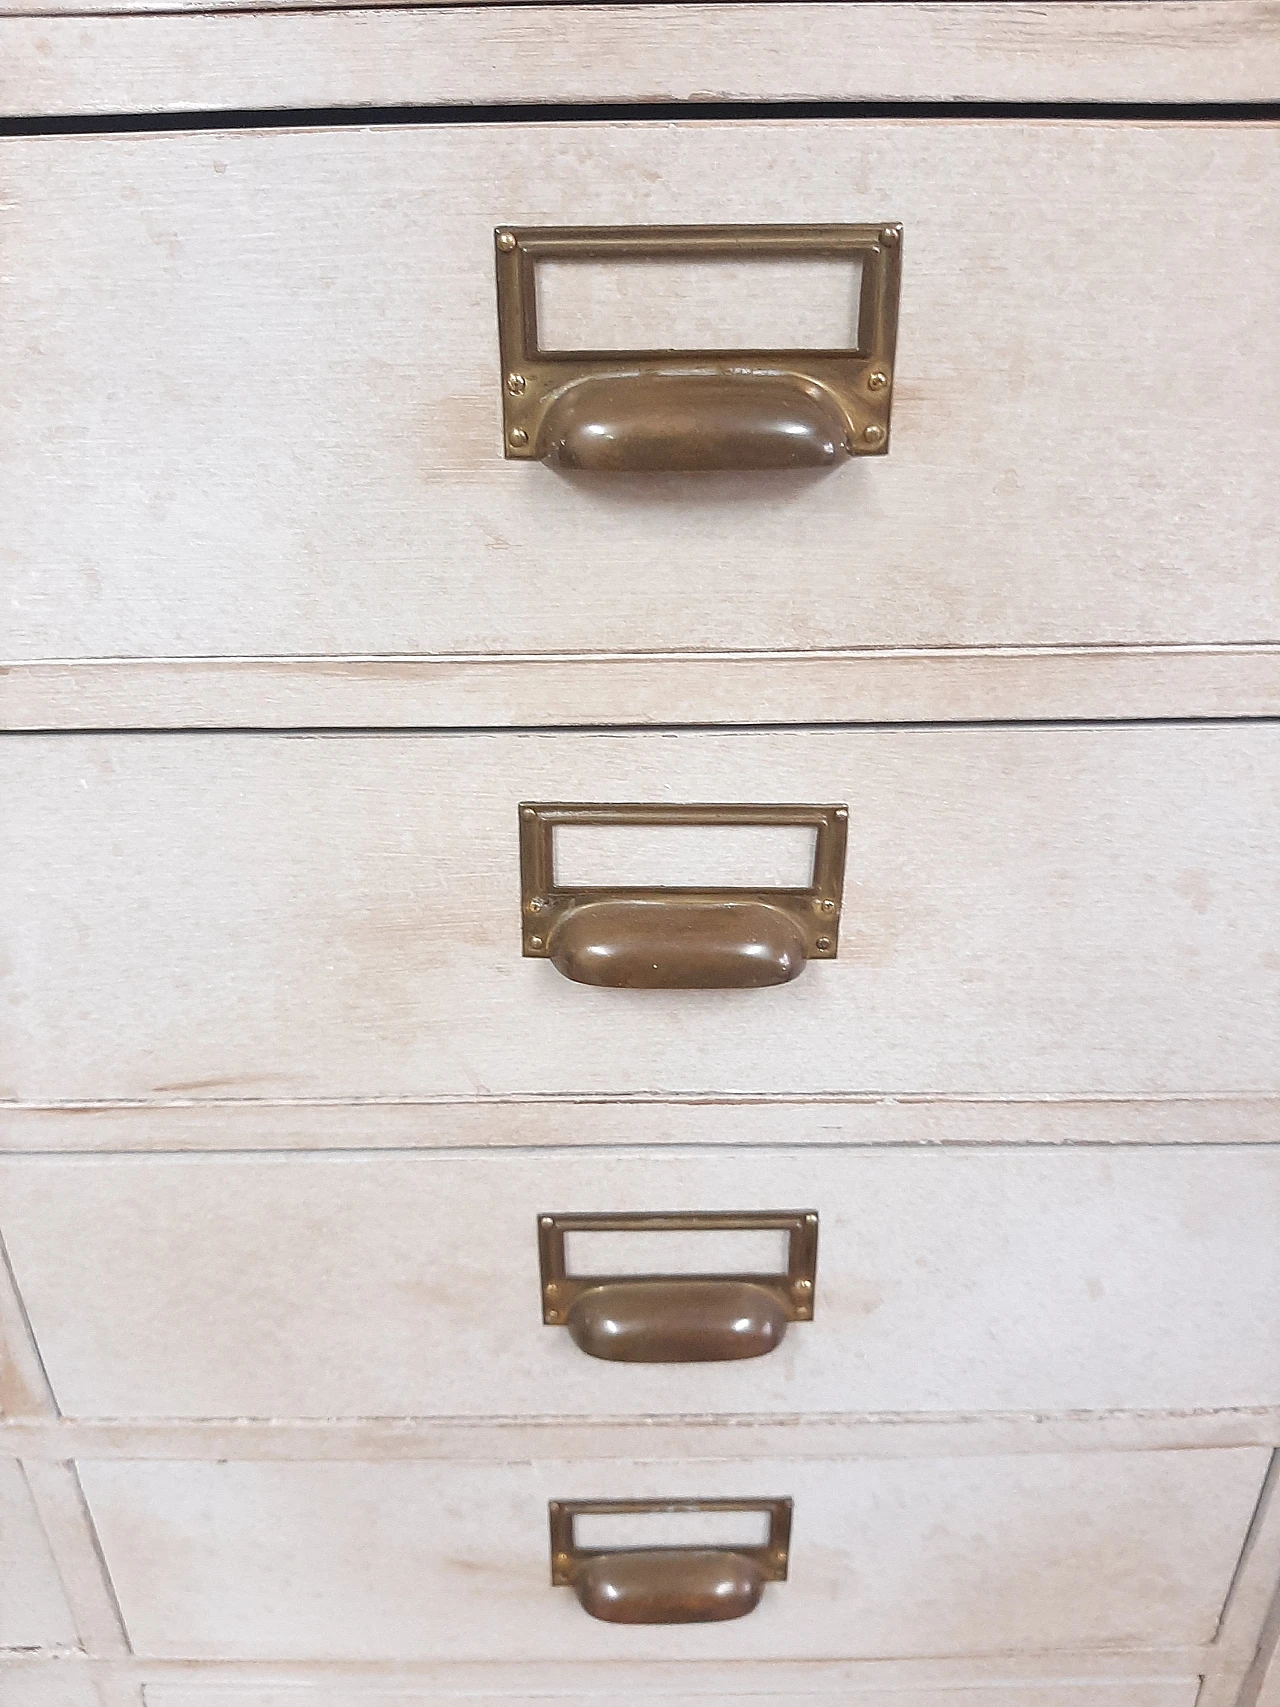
[[123, 57]]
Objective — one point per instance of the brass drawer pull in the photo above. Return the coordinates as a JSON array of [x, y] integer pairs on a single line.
[[668, 1585], [671, 1318], [646, 410], [677, 938]]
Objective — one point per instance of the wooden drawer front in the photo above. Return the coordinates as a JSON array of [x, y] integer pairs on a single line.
[[1041, 910], [33, 1611], [1135, 1692], [409, 1286], [259, 380], [423, 1560]]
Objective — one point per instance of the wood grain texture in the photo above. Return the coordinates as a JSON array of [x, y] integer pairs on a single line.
[[179, 1124], [658, 1439], [254, 407], [630, 688], [1028, 912], [1034, 1281], [974, 1556], [1135, 50]]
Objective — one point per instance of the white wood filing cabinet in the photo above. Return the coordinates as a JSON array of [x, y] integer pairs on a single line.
[[641, 660]]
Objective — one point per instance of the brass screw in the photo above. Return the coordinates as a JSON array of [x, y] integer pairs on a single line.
[[515, 383], [536, 905], [518, 436], [828, 906], [890, 234], [824, 942], [841, 812], [553, 1315], [804, 1286], [562, 1561], [535, 942], [779, 1558], [548, 1220], [873, 435], [528, 812], [551, 1288], [811, 1220], [877, 381], [802, 1309], [506, 241]]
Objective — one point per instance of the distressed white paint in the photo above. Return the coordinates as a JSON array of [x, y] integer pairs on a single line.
[[516, 1122], [1137, 50], [253, 380], [418, 1561], [1027, 912], [660, 1439], [530, 692], [960, 1281]]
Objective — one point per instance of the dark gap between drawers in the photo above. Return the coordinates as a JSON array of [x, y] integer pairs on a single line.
[[636, 112], [734, 728]]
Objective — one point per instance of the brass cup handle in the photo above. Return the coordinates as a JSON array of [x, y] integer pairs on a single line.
[[678, 1318], [697, 420], [678, 944], [679, 938], [691, 1320], [670, 1585]]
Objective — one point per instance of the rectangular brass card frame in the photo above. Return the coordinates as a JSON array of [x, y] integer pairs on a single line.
[[796, 1288], [567, 1558], [815, 908], [860, 379]]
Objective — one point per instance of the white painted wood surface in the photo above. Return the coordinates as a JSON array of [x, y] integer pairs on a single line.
[[64, 1518], [33, 1609], [1028, 912], [255, 407], [24, 1386], [658, 1120], [1266, 1678], [410, 1561], [60, 1683], [828, 1683], [1138, 50], [634, 688], [1029, 1281], [1160, 1692], [795, 1436]]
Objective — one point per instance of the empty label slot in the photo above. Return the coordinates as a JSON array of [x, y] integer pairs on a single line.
[[746, 1250], [784, 304], [691, 856], [600, 1530]]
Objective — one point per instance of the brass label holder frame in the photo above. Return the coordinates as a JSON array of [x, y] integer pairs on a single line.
[[854, 384], [815, 907], [567, 1558], [795, 1289]]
